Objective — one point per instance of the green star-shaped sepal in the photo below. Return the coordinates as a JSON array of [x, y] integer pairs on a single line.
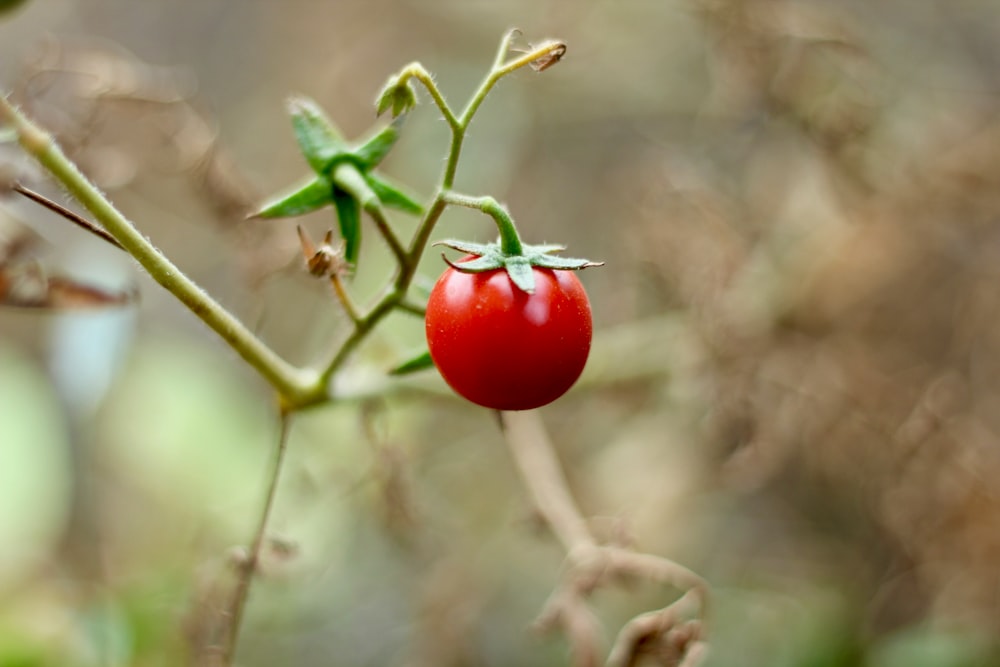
[[327, 154], [491, 256]]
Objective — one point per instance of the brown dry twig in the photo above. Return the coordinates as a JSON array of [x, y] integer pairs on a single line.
[[61, 210], [663, 635], [250, 564]]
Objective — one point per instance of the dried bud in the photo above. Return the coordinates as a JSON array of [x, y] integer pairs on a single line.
[[325, 260]]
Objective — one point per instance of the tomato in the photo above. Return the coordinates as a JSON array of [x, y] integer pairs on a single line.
[[503, 348]]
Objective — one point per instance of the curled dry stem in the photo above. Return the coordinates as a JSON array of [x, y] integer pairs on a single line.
[[589, 565]]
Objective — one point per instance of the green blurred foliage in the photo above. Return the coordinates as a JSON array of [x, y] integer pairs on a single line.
[[9, 5], [34, 468]]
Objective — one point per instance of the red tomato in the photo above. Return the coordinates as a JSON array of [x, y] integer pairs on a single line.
[[505, 349]]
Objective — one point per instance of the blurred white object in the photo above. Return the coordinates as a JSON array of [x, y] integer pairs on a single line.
[[87, 348]]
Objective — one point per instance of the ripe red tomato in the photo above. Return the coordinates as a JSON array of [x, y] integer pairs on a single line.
[[505, 349]]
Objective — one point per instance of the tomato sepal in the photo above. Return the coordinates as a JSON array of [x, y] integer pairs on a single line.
[[349, 220], [318, 138], [490, 257], [311, 196], [393, 195], [374, 150]]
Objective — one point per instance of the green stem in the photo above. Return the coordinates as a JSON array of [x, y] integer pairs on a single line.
[[347, 178], [362, 327], [395, 293], [504, 49], [460, 125], [501, 69], [412, 308], [393, 297], [417, 71], [510, 241], [295, 385]]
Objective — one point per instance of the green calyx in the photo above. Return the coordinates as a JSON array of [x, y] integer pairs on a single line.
[[509, 254], [344, 175], [491, 256], [397, 95]]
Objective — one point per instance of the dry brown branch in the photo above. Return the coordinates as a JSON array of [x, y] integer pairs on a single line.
[[663, 635], [61, 210], [214, 622]]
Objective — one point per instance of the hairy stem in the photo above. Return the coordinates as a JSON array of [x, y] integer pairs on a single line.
[[501, 69], [344, 298], [294, 385], [417, 71], [348, 179], [510, 240]]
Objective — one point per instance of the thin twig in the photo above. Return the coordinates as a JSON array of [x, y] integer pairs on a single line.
[[541, 471], [344, 298], [59, 209], [417, 71], [590, 565], [249, 567]]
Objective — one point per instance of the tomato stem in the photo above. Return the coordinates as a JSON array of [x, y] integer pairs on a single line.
[[510, 240]]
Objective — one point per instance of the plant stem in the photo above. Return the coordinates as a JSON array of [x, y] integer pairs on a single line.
[[412, 308], [459, 125], [501, 69], [510, 240], [61, 210], [247, 568], [294, 385], [344, 298], [417, 71], [394, 295], [347, 178]]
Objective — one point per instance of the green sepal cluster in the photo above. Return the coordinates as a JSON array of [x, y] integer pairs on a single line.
[[490, 257], [327, 153], [398, 95]]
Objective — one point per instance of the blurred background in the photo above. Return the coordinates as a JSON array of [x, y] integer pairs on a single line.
[[793, 389]]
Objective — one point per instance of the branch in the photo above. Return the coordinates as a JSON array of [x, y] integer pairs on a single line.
[[296, 386], [61, 210], [662, 634], [250, 563], [540, 470]]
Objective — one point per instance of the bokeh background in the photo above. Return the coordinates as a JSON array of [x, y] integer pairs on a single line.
[[793, 389]]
